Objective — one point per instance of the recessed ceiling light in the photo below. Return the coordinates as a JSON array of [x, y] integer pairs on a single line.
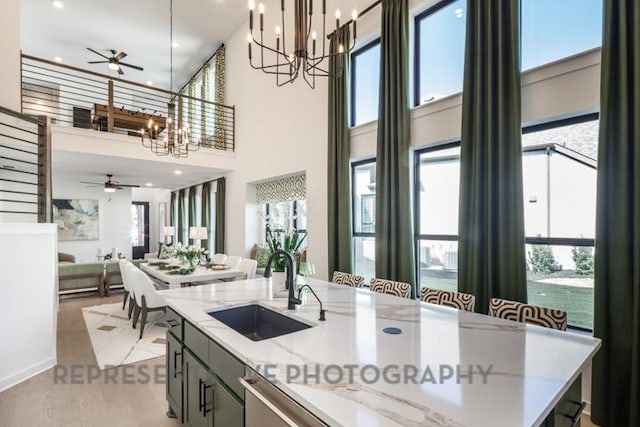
[[149, 184], [458, 13], [177, 172], [149, 82], [175, 44], [57, 59], [57, 4]]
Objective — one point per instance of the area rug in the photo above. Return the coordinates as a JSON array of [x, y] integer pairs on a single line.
[[116, 343]]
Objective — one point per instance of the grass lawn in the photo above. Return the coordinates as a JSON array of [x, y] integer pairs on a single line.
[[576, 301]]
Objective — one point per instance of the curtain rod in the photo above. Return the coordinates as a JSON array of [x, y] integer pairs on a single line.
[[360, 14], [215, 52]]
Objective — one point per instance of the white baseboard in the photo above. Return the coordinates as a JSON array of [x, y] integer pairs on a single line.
[[27, 373]]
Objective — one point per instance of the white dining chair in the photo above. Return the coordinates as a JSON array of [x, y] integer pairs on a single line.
[[218, 258], [126, 282], [146, 296], [248, 267], [233, 262]]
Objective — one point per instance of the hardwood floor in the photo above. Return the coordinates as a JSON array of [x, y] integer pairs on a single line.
[[40, 401]]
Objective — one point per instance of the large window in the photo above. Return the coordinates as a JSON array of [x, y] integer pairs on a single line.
[[555, 29], [559, 184], [559, 171], [437, 197], [365, 83], [286, 216], [439, 51], [364, 217]]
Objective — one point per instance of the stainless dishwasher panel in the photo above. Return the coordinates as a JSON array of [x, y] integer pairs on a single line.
[[266, 406]]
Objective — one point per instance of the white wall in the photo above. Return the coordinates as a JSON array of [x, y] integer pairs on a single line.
[[154, 197], [115, 218], [10, 48], [28, 301], [280, 131]]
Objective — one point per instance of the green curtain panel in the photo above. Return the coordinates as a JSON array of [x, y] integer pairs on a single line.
[[182, 234], [220, 216], [616, 367], [339, 169], [205, 108], [206, 214], [192, 211], [172, 209], [491, 245], [220, 88], [395, 256]]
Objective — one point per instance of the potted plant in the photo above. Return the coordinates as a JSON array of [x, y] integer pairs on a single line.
[[288, 241]]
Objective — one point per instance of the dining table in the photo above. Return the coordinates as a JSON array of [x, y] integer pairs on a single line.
[[202, 273]]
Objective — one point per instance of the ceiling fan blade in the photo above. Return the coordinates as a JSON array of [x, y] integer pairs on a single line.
[[132, 66], [129, 185], [93, 183], [120, 71], [97, 62], [119, 57], [97, 53]]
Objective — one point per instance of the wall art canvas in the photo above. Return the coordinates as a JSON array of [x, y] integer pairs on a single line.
[[77, 219]]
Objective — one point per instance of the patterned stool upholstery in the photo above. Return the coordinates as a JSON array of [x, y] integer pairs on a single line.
[[390, 287], [457, 300], [527, 313], [352, 280]]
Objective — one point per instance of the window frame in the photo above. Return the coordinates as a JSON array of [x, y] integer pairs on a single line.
[[549, 241], [354, 166], [352, 78], [295, 220], [416, 45]]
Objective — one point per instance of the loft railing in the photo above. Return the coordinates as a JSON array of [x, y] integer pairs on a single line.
[[76, 97], [25, 167]]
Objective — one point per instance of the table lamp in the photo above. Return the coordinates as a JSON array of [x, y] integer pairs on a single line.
[[169, 232], [198, 234]]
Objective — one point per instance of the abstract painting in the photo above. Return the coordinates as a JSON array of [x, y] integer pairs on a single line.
[[77, 219]]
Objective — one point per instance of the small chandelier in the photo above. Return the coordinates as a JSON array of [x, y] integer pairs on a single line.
[[304, 58], [177, 142]]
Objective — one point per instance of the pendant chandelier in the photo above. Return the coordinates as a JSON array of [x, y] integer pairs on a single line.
[[305, 57], [177, 142]]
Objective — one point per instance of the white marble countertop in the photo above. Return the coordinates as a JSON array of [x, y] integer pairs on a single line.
[[532, 367]]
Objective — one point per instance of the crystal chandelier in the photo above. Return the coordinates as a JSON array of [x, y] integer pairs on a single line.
[[177, 142], [304, 58]]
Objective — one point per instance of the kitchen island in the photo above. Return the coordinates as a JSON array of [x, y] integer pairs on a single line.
[[453, 368]]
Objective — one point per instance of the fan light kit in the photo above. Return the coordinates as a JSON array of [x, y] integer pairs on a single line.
[[110, 186], [114, 62]]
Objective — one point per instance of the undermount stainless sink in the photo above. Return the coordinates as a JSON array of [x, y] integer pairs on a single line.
[[257, 322]]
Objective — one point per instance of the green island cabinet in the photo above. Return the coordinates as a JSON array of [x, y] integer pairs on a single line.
[[203, 387], [202, 378]]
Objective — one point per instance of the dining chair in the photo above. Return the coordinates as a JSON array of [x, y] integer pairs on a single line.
[[527, 313], [126, 282], [146, 296], [458, 300], [218, 259], [232, 262], [248, 267], [352, 280], [390, 287]]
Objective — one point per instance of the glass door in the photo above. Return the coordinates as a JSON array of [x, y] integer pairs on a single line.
[[139, 229]]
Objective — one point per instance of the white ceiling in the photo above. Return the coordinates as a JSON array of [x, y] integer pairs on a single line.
[[138, 27], [94, 168]]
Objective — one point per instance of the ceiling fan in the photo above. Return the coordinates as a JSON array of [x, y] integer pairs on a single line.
[[114, 62], [110, 186]]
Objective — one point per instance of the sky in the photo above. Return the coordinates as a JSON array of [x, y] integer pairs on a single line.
[[551, 30]]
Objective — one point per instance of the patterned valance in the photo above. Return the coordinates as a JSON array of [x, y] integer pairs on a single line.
[[282, 190]]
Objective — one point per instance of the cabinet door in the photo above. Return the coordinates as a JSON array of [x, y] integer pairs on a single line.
[[228, 411], [197, 388], [174, 375]]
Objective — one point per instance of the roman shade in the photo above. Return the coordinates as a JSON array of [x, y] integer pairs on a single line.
[[282, 190]]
